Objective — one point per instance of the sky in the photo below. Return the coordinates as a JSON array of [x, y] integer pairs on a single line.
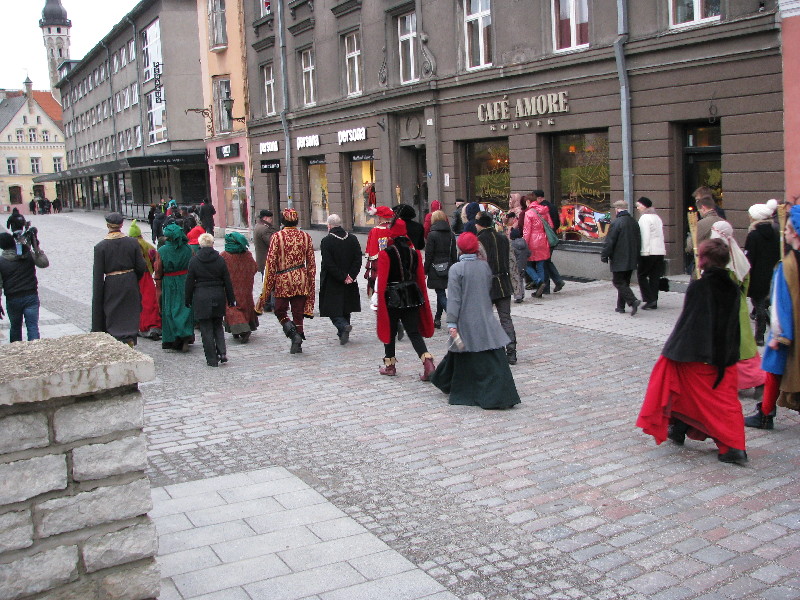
[[21, 39]]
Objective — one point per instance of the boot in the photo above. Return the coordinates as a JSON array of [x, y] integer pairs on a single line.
[[389, 367], [291, 332], [677, 432], [427, 367], [759, 420]]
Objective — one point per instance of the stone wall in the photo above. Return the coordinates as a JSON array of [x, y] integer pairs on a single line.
[[74, 495]]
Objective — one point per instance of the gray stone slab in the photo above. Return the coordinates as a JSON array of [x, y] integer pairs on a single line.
[[336, 528], [213, 579], [204, 536], [324, 553], [410, 585], [186, 504], [381, 564], [25, 479], [236, 593], [234, 512], [317, 513], [267, 543], [300, 499], [268, 474], [212, 484], [172, 523], [186, 561], [263, 490], [307, 583]]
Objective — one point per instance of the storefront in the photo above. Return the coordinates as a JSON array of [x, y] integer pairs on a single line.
[[268, 181], [362, 187], [228, 165]]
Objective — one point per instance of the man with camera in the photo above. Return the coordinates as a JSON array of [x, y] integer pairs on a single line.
[[18, 261]]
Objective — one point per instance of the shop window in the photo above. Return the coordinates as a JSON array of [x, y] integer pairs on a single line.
[[581, 184], [235, 192], [307, 66], [570, 24], [689, 12], [407, 39], [362, 179], [488, 174], [269, 90], [318, 190], [352, 57], [478, 33], [217, 27]]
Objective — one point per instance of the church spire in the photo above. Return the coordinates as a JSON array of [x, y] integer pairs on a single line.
[[55, 30]]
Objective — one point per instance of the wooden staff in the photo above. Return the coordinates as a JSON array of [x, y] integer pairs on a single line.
[[782, 224], [263, 297], [692, 216]]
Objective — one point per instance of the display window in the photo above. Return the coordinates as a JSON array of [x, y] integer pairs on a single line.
[[362, 178], [488, 173], [581, 184], [235, 191], [318, 190]]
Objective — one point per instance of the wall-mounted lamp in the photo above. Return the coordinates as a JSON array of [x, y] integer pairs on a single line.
[[227, 104]]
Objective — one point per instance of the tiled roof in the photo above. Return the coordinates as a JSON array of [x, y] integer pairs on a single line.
[[46, 100], [8, 108]]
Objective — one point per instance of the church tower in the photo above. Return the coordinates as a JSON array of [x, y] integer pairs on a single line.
[[55, 29]]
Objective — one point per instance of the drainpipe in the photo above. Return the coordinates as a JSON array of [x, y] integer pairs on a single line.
[[143, 149], [625, 102], [287, 141]]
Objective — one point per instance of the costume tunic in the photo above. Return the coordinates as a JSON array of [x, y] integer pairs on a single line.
[[116, 300], [341, 256], [151, 315], [241, 318], [171, 266], [291, 267], [377, 240]]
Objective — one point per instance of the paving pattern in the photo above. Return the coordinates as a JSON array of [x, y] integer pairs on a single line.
[[561, 497]]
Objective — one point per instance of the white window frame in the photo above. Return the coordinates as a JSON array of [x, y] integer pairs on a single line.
[[697, 6], [269, 89], [36, 165], [134, 94], [483, 13], [409, 41], [45, 135], [352, 63], [126, 98], [20, 135], [12, 166], [132, 50], [151, 49], [123, 56], [32, 135], [266, 7], [118, 98], [115, 63], [137, 132], [307, 69], [217, 25], [221, 89], [156, 119], [573, 24]]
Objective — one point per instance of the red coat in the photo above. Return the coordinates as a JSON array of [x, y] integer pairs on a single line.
[[425, 316], [534, 234]]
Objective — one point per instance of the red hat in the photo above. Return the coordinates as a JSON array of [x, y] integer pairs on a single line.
[[398, 229], [194, 235], [384, 212], [290, 215], [468, 243]]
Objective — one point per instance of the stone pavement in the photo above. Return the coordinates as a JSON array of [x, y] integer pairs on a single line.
[[408, 497]]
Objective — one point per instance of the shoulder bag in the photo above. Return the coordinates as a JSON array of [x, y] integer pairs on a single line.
[[404, 293], [443, 267], [552, 237]]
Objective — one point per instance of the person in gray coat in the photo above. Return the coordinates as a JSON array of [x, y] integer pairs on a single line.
[[621, 250], [475, 371]]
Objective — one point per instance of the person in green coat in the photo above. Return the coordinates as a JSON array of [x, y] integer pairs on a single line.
[[172, 262]]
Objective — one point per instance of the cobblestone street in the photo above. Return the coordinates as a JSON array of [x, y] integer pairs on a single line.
[[403, 496]]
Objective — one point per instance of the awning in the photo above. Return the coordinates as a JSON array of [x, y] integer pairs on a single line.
[[131, 163]]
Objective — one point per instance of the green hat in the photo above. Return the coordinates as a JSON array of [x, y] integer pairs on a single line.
[[133, 230], [235, 243]]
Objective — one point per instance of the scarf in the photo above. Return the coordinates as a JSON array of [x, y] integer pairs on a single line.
[[738, 262], [235, 243]]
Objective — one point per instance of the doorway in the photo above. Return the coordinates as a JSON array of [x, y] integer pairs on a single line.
[[414, 179], [702, 166]]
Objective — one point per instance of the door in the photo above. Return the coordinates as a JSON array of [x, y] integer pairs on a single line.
[[702, 166]]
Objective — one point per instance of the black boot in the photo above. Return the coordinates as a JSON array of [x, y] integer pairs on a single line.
[[297, 340], [677, 431], [759, 420]]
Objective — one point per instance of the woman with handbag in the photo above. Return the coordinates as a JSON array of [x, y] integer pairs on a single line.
[[440, 254], [401, 298], [535, 235]]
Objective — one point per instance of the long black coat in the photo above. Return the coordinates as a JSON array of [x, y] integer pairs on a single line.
[[441, 248], [116, 300], [416, 232], [498, 255], [206, 214], [623, 243], [763, 251], [208, 284], [341, 256]]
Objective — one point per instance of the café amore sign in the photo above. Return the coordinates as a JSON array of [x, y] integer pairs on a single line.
[[542, 105]]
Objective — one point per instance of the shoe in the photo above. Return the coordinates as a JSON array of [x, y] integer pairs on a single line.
[[677, 432], [759, 420], [185, 346], [291, 332], [759, 341], [437, 323], [517, 300], [539, 291], [620, 310], [389, 367], [529, 286], [427, 367], [223, 358], [733, 456], [650, 306], [635, 307], [559, 287], [245, 337], [344, 336], [212, 364]]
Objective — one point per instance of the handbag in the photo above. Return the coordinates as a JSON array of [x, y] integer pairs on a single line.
[[405, 293], [663, 284], [442, 268], [552, 237]]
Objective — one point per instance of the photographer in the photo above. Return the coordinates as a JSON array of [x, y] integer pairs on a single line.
[[18, 281]]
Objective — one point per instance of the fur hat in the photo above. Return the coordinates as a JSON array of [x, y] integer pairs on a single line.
[[468, 243], [264, 213], [484, 219], [760, 212]]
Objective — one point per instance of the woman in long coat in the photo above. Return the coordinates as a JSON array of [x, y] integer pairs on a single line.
[[150, 318], [476, 372], [172, 262], [208, 289], [338, 287], [536, 238], [440, 250], [240, 320]]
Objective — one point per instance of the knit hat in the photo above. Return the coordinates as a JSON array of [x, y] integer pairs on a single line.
[[398, 229], [646, 202], [794, 217], [235, 243], [194, 234], [436, 205], [384, 212], [472, 209], [760, 212], [484, 219], [134, 230], [290, 215], [265, 213], [114, 220], [468, 243]]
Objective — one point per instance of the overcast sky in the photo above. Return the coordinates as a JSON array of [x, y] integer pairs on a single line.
[[21, 39]]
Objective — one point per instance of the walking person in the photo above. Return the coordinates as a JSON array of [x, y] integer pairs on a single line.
[[621, 250], [520, 252], [241, 318], [400, 269], [206, 214], [208, 289], [435, 205], [19, 284], [116, 300], [458, 223], [550, 270], [338, 277], [157, 233], [169, 273], [762, 248], [692, 391], [707, 209], [416, 231], [15, 222], [475, 370], [650, 268], [535, 236], [150, 317], [440, 254], [377, 240]]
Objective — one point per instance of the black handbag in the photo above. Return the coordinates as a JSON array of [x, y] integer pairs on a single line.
[[403, 294], [442, 268]]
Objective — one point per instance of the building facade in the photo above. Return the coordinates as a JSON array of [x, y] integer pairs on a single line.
[[590, 100], [129, 141]]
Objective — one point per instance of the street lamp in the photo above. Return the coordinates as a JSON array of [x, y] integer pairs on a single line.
[[227, 104]]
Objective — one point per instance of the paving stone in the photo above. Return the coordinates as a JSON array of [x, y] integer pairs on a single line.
[[213, 579], [300, 585], [316, 555], [403, 586]]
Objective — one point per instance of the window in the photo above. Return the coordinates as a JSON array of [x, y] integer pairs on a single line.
[[478, 31], [318, 189], [134, 94], [407, 37], [217, 34], [687, 12], [11, 165], [118, 98], [126, 95], [97, 76], [151, 49], [269, 90], [222, 90], [131, 50], [38, 120], [103, 70], [115, 63], [123, 56], [45, 135], [307, 65], [36, 165], [570, 24], [24, 120], [121, 141], [20, 135], [105, 109], [156, 118], [128, 139], [31, 135], [94, 116], [352, 53], [137, 133], [266, 7], [488, 175], [90, 84]]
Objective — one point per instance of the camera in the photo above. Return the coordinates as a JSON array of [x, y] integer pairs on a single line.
[[27, 237]]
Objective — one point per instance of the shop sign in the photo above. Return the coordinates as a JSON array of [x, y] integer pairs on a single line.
[[523, 108], [307, 141], [361, 156], [265, 147], [228, 151], [271, 166], [358, 134], [157, 81], [316, 161]]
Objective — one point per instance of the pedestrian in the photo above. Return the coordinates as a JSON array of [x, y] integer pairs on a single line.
[[401, 281], [426, 226], [535, 236], [458, 223], [150, 317], [151, 215], [241, 319], [32, 207], [762, 248], [338, 277], [208, 289], [206, 215], [692, 389], [169, 272], [515, 203], [416, 232], [497, 250], [377, 240], [158, 227], [621, 250], [290, 271], [15, 222], [706, 192], [440, 254], [262, 234], [706, 208], [520, 252], [193, 237], [172, 208], [650, 268], [468, 214], [57, 205], [475, 370], [116, 300], [781, 361], [550, 270], [19, 284]]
